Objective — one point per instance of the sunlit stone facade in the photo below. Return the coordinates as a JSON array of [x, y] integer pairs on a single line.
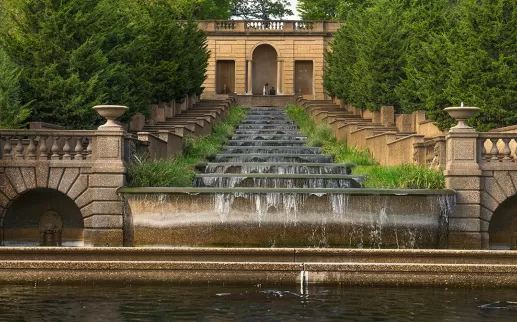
[[287, 55]]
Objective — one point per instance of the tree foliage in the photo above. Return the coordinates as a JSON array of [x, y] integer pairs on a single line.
[[202, 9], [12, 113], [429, 55], [326, 9], [74, 54], [260, 9]]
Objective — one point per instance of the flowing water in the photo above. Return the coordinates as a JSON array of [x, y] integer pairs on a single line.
[[253, 303], [267, 142]]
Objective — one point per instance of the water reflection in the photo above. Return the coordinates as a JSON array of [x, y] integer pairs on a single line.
[[218, 303]]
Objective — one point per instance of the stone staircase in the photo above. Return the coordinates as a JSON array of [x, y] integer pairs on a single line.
[[268, 151], [268, 189], [391, 138], [198, 120]]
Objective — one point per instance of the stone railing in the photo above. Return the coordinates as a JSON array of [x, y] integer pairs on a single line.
[[497, 150], [265, 25], [269, 26], [228, 25], [46, 145]]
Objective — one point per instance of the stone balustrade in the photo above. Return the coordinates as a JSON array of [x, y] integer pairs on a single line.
[[497, 150], [269, 26], [46, 145]]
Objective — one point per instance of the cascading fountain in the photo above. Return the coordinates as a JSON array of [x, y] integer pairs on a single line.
[[268, 189]]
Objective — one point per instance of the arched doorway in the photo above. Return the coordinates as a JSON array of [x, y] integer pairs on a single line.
[[264, 68], [502, 230], [43, 217]]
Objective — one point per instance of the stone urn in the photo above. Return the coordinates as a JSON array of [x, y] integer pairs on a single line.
[[461, 114], [110, 113]]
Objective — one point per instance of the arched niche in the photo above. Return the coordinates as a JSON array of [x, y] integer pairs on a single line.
[[502, 229], [43, 217], [264, 68]]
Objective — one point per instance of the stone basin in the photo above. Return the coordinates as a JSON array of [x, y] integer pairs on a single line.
[[283, 217]]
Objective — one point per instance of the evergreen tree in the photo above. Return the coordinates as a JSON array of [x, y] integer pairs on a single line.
[[75, 54], [431, 31], [12, 113], [366, 68]]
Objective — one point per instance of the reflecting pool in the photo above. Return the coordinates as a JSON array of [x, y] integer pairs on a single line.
[[253, 303]]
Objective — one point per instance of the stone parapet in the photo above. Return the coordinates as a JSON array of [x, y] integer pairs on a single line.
[[267, 27]]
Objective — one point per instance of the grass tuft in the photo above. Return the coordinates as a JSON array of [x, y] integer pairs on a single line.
[[405, 176]]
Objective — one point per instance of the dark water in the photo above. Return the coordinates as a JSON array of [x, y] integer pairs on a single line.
[[219, 303]]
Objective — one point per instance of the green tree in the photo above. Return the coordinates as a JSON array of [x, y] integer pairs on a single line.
[[12, 113], [367, 58], [202, 9], [46, 43], [260, 9], [75, 54], [327, 9], [483, 62], [432, 28]]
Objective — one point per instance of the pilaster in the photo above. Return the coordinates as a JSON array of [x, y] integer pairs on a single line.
[[463, 174]]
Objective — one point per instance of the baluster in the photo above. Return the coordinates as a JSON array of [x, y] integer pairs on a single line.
[[8, 148], [31, 149], [515, 152], [494, 152], [55, 149], [19, 149], [89, 149], [43, 149], [484, 155], [506, 151], [79, 149], [67, 149]]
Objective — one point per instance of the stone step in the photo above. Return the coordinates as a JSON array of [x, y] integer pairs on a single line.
[[271, 150], [278, 167], [274, 157], [273, 142], [267, 132], [266, 180]]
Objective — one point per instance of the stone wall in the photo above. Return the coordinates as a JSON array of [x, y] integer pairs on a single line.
[[292, 41]]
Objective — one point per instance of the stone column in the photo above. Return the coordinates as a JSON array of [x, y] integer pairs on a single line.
[[463, 174], [279, 77], [104, 226], [103, 216], [249, 90]]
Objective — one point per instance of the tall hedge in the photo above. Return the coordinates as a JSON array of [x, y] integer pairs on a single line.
[[429, 55], [74, 54]]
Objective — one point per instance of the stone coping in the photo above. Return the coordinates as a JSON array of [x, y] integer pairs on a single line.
[[348, 191], [361, 267]]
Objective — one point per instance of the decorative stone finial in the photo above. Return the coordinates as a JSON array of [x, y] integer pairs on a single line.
[[461, 114], [110, 113]]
